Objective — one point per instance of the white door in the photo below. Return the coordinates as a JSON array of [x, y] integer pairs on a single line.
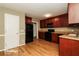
[[11, 31]]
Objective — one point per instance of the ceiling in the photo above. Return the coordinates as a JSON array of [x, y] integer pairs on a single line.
[[38, 10]]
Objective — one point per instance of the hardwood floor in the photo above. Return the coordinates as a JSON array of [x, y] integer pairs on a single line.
[[38, 47]]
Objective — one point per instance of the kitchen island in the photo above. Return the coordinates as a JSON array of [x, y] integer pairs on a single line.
[[69, 45]]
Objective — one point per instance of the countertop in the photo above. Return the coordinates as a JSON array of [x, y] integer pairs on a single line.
[[70, 37], [61, 32]]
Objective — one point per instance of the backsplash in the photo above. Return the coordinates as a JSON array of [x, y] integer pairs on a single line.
[[64, 29]]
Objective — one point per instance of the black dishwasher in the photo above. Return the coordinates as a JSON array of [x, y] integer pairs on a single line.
[[48, 35]]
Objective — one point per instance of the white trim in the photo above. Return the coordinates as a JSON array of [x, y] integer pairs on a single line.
[[2, 35], [15, 47], [37, 27], [2, 50], [22, 33], [19, 33], [22, 44]]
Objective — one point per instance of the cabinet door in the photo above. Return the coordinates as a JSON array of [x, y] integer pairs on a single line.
[[45, 23], [56, 22], [54, 38], [64, 20], [75, 48], [42, 24], [65, 47], [41, 35]]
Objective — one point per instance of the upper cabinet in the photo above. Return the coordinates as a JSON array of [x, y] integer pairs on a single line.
[[61, 21], [64, 20], [73, 13], [28, 20], [42, 23], [57, 21]]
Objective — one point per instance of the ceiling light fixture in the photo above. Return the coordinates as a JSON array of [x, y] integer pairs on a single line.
[[47, 15]]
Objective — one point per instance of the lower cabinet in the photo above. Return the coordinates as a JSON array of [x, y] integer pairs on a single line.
[[46, 36], [41, 35], [75, 48], [52, 37], [68, 47], [55, 37]]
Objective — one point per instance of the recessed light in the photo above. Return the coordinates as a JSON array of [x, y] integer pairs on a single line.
[[47, 15]]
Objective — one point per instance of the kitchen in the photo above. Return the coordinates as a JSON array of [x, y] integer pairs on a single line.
[[66, 33], [62, 30], [56, 35]]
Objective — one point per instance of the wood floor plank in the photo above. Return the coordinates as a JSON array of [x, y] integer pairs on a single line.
[[38, 47]]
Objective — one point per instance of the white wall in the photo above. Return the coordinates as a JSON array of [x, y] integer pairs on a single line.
[[22, 25]]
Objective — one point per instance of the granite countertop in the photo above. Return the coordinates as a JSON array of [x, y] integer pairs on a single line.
[[61, 32], [43, 30], [69, 37]]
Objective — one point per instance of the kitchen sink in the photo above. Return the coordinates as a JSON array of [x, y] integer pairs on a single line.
[[73, 35]]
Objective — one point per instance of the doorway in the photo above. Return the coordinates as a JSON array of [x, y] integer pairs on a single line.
[[35, 30], [11, 31]]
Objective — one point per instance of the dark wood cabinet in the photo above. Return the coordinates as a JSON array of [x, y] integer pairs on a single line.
[[64, 20], [42, 23], [54, 37], [28, 20], [61, 21], [68, 47], [65, 47], [41, 35], [57, 21], [75, 48]]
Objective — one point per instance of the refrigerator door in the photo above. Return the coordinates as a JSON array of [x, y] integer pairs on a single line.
[[29, 33]]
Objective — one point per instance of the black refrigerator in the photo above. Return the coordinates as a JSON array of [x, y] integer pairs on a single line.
[[29, 33]]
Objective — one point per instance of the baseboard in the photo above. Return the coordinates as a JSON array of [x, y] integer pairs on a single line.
[[21, 44], [2, 50], [15, 47]]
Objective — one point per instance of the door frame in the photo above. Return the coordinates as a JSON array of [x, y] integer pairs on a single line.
[[37, 28]]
